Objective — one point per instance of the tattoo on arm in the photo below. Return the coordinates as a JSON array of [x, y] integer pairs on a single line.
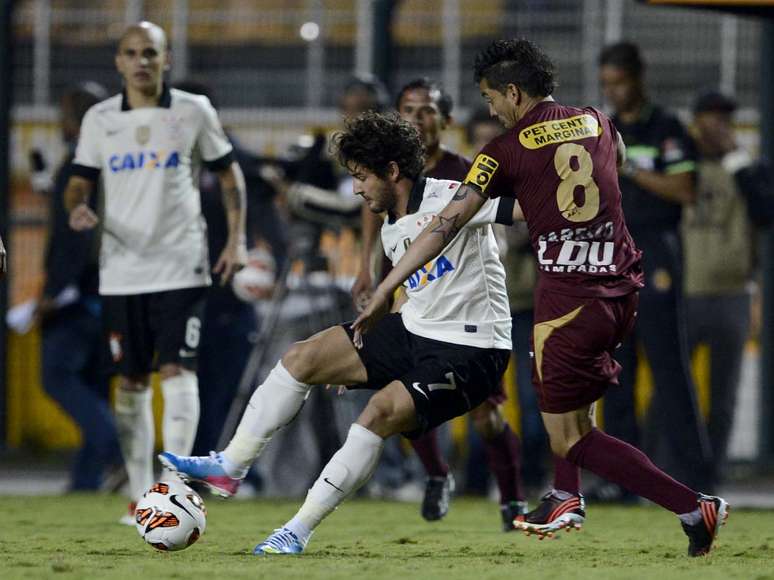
[[448, 227], [464, 190]]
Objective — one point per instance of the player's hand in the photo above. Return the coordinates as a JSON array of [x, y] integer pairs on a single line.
[[371, 314], [362, 290], [232, 259], [83, 218]]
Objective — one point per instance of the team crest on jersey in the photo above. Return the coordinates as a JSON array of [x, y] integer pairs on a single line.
[[429, 272], [142, 134], [481, 172]]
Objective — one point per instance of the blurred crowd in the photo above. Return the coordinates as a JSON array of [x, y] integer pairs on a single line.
[[694, 201]]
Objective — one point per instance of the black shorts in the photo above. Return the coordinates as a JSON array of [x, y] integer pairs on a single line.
[[145, 331], [445, 380]]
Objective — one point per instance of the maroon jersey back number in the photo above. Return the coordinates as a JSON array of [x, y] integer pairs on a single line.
[[574, 175]]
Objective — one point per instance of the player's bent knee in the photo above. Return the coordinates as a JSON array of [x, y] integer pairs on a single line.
[[135, 383], [560, 447], [301, 361], [488, 421], [387, 414], [169, 370]]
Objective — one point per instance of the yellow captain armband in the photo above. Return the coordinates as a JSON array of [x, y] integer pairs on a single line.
[[481, 172]]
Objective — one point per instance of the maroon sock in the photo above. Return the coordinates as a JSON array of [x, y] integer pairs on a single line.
[[566, 476], [430, 454], [630, 468], [503, 455]]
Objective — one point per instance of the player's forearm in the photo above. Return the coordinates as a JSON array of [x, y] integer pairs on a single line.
[[678, 188], [234, 196], [77, 192], [435, 237]]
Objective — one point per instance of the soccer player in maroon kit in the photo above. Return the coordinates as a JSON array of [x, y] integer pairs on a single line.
[[428, 107], [561, 164]]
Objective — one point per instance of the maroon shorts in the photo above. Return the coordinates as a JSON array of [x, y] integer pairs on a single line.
[[573, 342]]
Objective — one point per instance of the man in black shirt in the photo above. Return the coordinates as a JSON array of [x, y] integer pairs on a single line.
[[656, 182], [69, 310]]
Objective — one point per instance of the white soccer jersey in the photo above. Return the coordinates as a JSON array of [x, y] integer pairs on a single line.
[[154, 235], [460, 296]]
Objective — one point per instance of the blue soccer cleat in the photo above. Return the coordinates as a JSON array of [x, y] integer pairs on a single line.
[[281, 542], [207, 470]]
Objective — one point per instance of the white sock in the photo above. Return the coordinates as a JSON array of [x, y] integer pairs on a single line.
[[134, 420], [181, 415], [273, 405], [345, 473], [181, 412]]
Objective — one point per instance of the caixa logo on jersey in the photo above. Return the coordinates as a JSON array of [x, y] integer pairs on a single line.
[[429, 272], [143, 160], [578, 256]]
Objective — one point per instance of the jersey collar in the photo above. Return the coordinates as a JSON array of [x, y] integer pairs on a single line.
[[165, 99], [415, 198], [416, 195]]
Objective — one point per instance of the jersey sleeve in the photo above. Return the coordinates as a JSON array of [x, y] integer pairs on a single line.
[[494, 211], [213, 144], [676, 149], [88, 159], [491, 172]]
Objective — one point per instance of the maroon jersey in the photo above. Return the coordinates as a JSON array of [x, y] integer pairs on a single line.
[[450, 166], [560, 163]]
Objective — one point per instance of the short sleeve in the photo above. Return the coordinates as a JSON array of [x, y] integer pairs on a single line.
[[676, 149], [212, 142], [494, 211], [87, 153], [490, 172]]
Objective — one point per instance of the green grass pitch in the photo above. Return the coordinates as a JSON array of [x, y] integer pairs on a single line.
[[78, 537]]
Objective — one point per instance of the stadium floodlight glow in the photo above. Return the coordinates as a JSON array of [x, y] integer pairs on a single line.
[[309, 31]]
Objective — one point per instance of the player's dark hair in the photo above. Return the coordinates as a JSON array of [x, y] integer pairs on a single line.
[[435, 90], [372, 86], [480, 116], [371, 140], [519, 62], [83, 96], [623, 55]]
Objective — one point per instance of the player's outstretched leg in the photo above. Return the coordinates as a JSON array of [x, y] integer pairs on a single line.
[[440, 483], [389, 411], [574, 437], [503, 456], [561, 508], [327, 358]]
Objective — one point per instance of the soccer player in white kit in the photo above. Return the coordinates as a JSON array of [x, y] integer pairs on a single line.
[[146, 144], [440, 357]]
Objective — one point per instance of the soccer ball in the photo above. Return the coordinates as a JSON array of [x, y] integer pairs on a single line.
[[255, 282], [170, 516]]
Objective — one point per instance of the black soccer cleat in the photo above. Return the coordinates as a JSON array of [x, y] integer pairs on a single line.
[[438, 490], [510, 512], [553, 514], [701, 536]]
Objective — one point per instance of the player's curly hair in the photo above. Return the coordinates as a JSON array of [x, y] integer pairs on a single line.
[[371, 140], [519, 62]]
